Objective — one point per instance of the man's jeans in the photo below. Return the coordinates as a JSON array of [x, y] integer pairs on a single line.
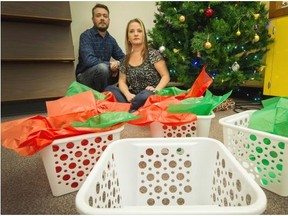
[[97, 77], [136, 103]]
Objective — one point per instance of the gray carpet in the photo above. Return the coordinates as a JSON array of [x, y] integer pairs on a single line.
[[25, 188]]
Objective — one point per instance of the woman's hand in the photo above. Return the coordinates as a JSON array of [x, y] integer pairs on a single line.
[[150, 88], [130, 97]]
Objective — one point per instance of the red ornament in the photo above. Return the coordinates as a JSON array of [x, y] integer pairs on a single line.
[[209, 12]]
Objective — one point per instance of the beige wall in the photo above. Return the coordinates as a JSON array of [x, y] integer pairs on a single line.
[[120, 13]]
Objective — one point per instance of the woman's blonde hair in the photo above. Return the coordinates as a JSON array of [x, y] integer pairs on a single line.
[[128, 45]]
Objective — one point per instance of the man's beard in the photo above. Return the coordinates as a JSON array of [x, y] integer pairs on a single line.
[[102, 28]]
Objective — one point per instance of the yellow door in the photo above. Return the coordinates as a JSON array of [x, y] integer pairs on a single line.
[[276, 73]]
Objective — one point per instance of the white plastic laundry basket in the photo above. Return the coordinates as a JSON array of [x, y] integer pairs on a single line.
[[263, 155], [68, 161], [198, 128], [169, 176]]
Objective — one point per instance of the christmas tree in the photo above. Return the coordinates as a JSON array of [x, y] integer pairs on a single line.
[[230, 38]]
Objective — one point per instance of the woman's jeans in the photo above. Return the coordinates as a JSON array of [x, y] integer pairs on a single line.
[[138, 101]]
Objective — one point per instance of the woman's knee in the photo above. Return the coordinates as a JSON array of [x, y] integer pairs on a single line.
[[144, 94]]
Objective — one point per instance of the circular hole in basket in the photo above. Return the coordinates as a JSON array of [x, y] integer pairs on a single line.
[[110, 137], [86, 162], [97, 187], [193, 128], [66, 177], [70, 145], [55, 148], [172, 164], [149, 151], [281, 145], [187, 188], [165, 201], [103, 175], [238, 185], [225, 201], [150, 177], [253, 137], [231, 194], [187, 163], [224, 182], [223, 163], [90, 201], [143, 189], [92, 151], [183, 128], [172, 188], [84, 142], [180, 176], [165, 151], [248, 199], [64, 157], [74, 185], [58, 169], [266, 141], [158, 189], [273, 154], [142, 164], [180, 201], [157, 164], [78, 154], [98, 140], [150, 201], [180, 151], [179, 135], [165, 176]]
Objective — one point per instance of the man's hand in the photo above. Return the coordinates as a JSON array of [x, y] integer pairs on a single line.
[[114, 65]]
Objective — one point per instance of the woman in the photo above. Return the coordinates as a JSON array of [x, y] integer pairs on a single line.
[[142, 72]]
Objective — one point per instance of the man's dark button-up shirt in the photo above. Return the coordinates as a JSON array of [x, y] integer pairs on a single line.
[[95, 49]]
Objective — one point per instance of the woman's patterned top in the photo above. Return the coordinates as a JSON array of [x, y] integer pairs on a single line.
[[141, 76]]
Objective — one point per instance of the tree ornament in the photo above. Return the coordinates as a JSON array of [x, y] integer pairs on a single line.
[[256, 16], [235, 67], [182, 18], [162, 49], [238, 33], [175, 50], [256, 38], [209, 12], [207, 45], [256, 27]]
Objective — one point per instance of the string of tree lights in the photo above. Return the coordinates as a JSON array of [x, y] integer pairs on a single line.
[[231, 38]]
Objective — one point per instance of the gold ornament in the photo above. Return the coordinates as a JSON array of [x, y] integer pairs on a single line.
[[256, 16], [175, 50], [238, 33], [256, 38], [207, 45], [182, 18]]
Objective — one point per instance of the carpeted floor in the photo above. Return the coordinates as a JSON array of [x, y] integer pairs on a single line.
[[25, 188]]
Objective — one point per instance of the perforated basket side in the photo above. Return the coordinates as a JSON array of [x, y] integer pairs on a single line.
[[198, 128], [161, 176], [68, 161], [263, 155]]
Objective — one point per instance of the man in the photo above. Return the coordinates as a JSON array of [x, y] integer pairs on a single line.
[[96, 48]]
